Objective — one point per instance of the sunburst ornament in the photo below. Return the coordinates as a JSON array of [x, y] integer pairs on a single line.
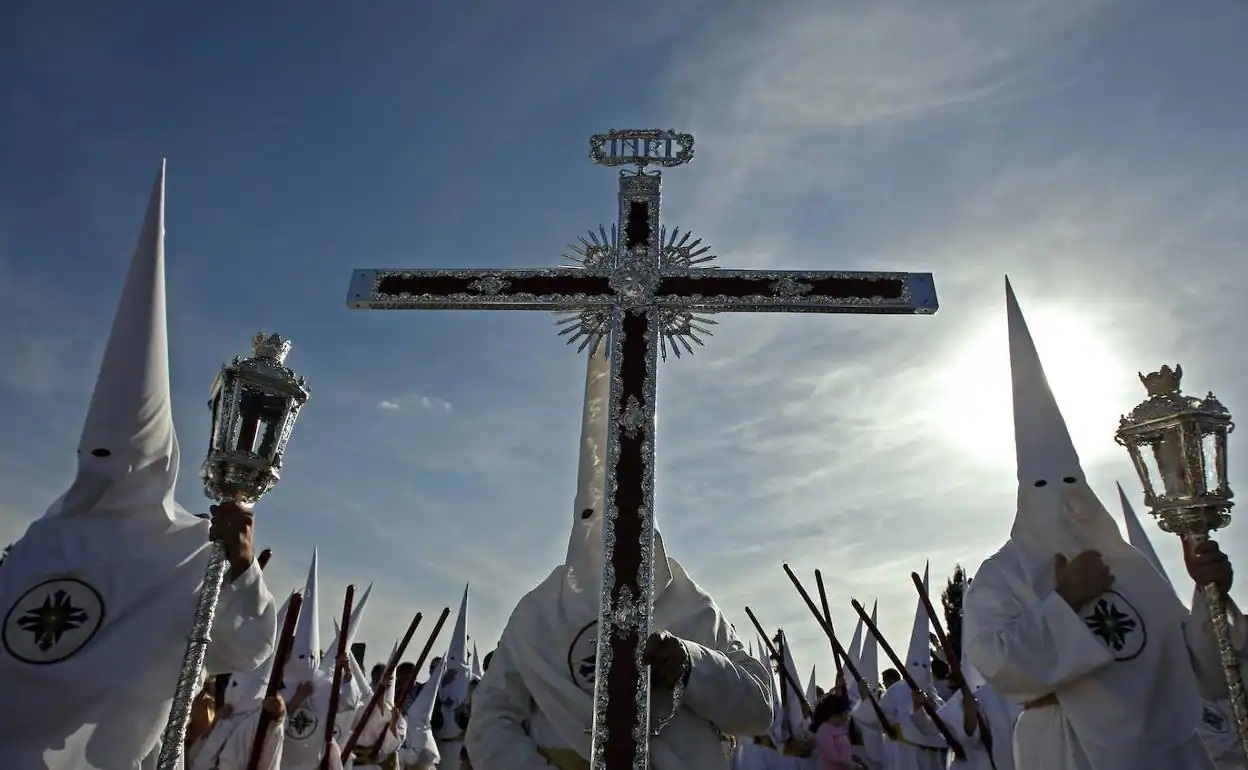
[[601, 251]]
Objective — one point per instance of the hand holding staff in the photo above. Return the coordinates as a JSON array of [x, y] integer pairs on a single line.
[[280, 656], [955, 665], [341, 665], [379, 691], [401, 698], [836, 646], [954, 745]]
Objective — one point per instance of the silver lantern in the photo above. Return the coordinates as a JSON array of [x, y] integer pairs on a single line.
[[254, 404], [1178, 446], [255, 401]]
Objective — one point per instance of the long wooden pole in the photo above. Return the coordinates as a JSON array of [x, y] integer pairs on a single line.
[[837, 656], [284, 642], [954, 745], [785, 676], [864, 687], [400, 699], [955, 665], [340, 665], [380, 690]]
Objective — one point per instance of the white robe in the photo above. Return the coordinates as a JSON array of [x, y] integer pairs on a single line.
[[538, 692], [146, 575], [1127, 697], [1000, 717], [1217, 730], [228, 744], [910, 741]]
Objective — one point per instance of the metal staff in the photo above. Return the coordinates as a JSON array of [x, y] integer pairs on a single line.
[[379, 691], [955, 665], [924, 703], [284, 642], [254, 404], [340, 665], [836, 646], [1179, 442]]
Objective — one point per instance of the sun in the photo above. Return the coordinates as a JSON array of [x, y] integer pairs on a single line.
[[1093, 386]]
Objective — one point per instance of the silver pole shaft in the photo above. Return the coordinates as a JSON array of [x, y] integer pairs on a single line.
[[1229, 660], [192, 676]]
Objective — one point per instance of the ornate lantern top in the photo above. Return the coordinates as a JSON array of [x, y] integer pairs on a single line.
[[274, 347], [1167, 402], [1178, 446]]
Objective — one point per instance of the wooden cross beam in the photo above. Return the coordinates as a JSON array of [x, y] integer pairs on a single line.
[[640, 289]]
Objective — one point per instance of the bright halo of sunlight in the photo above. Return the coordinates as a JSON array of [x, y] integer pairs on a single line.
[[974, 405]]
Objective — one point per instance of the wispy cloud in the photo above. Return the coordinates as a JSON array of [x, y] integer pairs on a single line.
[[414, 402]]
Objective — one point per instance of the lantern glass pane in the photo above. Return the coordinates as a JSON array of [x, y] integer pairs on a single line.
[[1168, 465], [1209, 460], [257, 412]]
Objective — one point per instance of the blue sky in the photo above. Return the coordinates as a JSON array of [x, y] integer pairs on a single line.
[[1093, 150]]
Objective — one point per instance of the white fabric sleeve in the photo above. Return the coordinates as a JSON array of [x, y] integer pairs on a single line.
[[497, 738], [1027, 652], [245, 626]]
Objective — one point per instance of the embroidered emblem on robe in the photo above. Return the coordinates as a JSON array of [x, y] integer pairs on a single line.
[[53, 621], [583, 657], [1213, 718], [1116, 623], [301, 724]]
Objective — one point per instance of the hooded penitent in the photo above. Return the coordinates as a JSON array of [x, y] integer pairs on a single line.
[[1057, 510], [420, 740], [1137, 537], [305, 650], [1120, 665], [549, 646], [918, 654], [99, 594]]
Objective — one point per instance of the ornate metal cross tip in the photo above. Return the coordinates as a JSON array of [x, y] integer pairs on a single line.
[[641, 287]]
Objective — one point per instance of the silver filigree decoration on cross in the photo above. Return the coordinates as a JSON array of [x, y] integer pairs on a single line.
[[633, 417], [490, 285], [600, 251], [787, 287], [627, 615]]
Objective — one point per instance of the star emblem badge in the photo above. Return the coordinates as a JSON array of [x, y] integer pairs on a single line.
[[53, 621]]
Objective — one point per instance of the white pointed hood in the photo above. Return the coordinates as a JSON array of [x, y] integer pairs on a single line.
[[128, 452], [357, 613], [245, 690], [420, 715], [584, 562], [477, 671], [1138, 537], [305, 650], [1057, 511], [812, 689], [918, 654], [456, 658], [794, 718], [869, 660], [854, 650]]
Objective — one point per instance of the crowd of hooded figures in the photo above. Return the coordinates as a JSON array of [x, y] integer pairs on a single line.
[[1069, 649]]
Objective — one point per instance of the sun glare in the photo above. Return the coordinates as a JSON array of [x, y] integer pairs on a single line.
[[1088, 379]]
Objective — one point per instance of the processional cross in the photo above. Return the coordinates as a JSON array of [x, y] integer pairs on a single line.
[[641, 289]]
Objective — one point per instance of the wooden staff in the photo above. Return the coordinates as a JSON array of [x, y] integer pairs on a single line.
[[379, 691], [837, 655], [863, 686], [282, 654], [340, 665], [955, 665], [399, 708], [954, 745], [785, 676], [262, 560]]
